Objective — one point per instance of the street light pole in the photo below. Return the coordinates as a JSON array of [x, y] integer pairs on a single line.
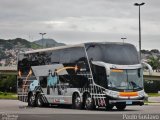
[[123, 39], [139, 5], [42, 37]]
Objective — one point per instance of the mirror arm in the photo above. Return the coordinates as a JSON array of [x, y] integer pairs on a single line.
[[148, 66]]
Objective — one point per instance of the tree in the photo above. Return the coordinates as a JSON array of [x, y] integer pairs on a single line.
[[154, 62], [8, 83], [155, 51]]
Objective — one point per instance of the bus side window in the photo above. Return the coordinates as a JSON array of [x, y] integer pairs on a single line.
[[43, 82], [99, 75], [79, 81]]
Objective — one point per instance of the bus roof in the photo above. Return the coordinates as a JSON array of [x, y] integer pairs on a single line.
[[53, 48], [71, 46]]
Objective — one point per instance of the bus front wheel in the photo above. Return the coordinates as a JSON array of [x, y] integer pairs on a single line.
[[109, 107], [121, 106]]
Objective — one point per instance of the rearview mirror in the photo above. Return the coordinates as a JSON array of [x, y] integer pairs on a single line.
[[144, 64]]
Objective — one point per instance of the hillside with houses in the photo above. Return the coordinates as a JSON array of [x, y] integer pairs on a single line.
[[9, 49]]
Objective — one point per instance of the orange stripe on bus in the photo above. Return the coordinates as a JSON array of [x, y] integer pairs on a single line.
[[116, 70], [128, 94], [65, 68]]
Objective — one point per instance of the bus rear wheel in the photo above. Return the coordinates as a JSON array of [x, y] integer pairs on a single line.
[[76, 101], [31, 100], [89, 102]]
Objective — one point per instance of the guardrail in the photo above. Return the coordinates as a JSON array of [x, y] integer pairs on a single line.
[[154, 76], [8, 70]]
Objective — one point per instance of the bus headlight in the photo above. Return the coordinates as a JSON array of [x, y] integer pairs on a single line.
[[141, 93]]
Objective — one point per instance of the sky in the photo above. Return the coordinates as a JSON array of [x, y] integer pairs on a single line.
[[79, 21]]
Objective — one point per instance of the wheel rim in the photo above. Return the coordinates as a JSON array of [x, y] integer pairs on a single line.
[[77, 101], [88, 103], [32, 100], [39, 102]]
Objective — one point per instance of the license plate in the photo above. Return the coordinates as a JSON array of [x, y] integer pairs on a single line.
[[128, 102]]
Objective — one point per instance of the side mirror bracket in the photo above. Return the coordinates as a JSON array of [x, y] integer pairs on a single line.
[[144, 64]]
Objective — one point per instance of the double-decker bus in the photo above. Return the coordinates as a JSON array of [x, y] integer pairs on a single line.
[[88, 76]]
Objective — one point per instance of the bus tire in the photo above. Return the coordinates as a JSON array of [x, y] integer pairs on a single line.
[[89, 102], [39, 101], [76, 101], [121, 107], [31, 100], [109, 107]]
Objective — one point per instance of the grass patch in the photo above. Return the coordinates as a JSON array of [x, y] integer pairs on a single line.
[[150, 102], [5, 95], [153, 94]]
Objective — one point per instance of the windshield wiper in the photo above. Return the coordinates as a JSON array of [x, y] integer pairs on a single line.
[[134, 85]]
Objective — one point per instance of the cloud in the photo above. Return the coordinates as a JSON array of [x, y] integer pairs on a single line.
[[79, 20]]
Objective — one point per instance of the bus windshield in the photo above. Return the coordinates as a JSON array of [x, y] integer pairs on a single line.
[[125, 79]]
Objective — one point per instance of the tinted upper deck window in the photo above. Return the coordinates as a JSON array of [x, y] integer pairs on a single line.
[[122, 54]]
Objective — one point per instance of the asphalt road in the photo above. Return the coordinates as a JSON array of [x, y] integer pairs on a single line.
[[20, 111]]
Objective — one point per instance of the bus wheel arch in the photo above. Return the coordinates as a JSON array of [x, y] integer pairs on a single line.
[[76, 101]]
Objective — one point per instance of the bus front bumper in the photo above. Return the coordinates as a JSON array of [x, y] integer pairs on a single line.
[[127, 102]]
